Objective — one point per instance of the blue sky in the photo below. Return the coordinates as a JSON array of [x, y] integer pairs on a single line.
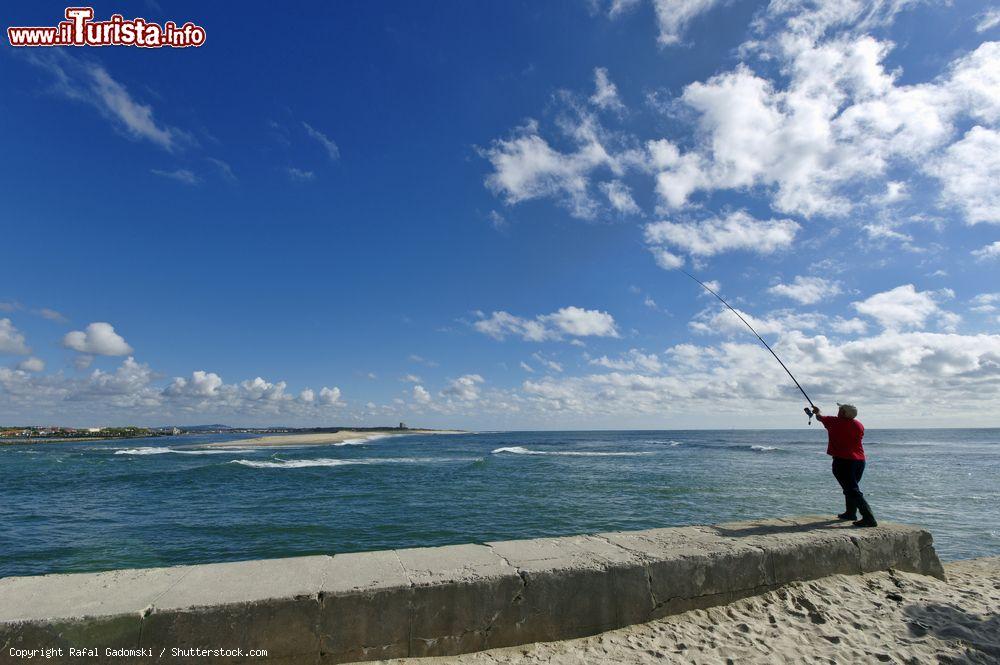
[[471, 214]]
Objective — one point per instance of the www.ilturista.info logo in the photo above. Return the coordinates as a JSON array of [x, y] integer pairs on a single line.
[[80, 29]]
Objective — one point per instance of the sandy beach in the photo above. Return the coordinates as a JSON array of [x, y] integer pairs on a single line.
[[322, 438], [891, 617]]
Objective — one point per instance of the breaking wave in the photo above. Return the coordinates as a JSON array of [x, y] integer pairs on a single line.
[[323, 461], [157, 450], [521, 450], [764, 449]]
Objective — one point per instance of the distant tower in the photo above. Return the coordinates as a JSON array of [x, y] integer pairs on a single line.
[[402, 425]]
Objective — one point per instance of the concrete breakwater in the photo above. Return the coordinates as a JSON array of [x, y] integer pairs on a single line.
[[440, 600]]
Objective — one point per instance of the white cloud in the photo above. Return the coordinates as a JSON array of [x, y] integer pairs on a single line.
[[892, 373], [583, 322], [720, 320], [420, 395], [818, 140], [465, 387], [807, 290], [549, 364], [886, 232], [526, 167], [180, 175], [260, 389], [31, 364], [572, 321], [11, 339], [985, 303], [988, 19], [128, 386], [853, 326], [811, 20], [51, 315], [89, 82], [201, 384], [620, 197], [970, 174], [527, 368], [129, 393], [735, 231], [905, 307], [329, 396], [224, 169], [665, 259], [841, 119], [300, 175], [619, 7], [497, 221], [895, 191], [672, 16], [423, 361], [411, 378], [332, 151], [98, 338], [634, 359], [991, 251], [605, 92]]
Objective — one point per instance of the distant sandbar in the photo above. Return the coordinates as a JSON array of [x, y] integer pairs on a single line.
[[343, 437]]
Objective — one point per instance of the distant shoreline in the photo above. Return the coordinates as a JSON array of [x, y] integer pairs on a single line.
[[290, 439], [27, 441], [323, 438]]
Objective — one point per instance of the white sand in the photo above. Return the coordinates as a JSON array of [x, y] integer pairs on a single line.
[[320, 439], [889, 617]]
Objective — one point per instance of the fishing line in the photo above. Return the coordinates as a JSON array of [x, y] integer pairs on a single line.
[[766, 345]]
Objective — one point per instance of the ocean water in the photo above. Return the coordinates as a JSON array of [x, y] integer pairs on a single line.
[[139, 503]]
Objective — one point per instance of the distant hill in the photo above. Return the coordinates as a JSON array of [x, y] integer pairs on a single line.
[[199, 428]]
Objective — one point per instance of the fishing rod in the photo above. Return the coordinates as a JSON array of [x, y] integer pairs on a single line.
[[768, 346]]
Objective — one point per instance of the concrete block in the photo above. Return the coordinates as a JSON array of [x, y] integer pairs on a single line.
[[50, 597], [896, 546], [365, 608], [272, 604], [117, 631], [443, 600], [579, 584], [459, 593]]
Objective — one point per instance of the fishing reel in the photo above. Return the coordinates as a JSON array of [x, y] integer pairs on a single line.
[[808, 413]]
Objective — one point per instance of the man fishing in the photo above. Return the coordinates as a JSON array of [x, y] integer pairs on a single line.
[[845, 432]]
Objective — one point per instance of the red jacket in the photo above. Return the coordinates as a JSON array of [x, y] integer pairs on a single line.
[[845, 437]]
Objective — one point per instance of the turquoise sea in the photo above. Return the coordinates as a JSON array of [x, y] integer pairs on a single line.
[[156, 502]]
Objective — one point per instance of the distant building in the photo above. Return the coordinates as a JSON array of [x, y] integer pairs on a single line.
[[402, 425], [93, 430], [175, 431]]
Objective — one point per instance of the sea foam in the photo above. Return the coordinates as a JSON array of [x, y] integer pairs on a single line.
[[521, 450], [156, 450], [323, 461]]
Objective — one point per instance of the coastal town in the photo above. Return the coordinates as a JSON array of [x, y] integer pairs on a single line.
[[35, 432]]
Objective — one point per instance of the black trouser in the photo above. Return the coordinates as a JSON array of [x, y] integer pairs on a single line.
[[848, 473]]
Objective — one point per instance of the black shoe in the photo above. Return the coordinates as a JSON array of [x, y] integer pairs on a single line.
[[847, 516], [867, 516]]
